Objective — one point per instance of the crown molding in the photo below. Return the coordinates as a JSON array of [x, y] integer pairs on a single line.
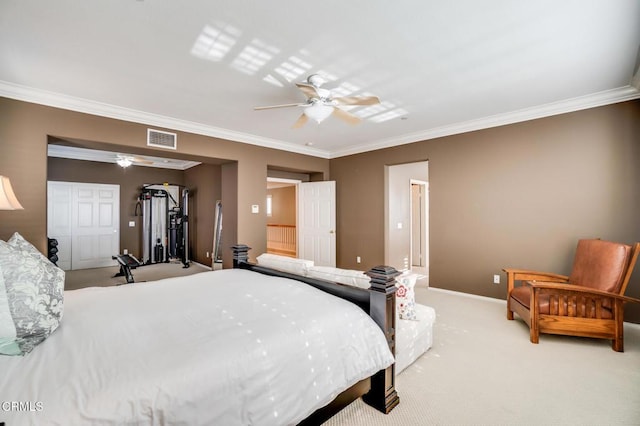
[[606, 97], [58, 100]]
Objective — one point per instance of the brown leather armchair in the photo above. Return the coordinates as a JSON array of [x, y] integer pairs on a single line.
[[588, 303]]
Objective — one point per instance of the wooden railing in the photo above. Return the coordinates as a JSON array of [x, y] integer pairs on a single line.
[[281, 239]]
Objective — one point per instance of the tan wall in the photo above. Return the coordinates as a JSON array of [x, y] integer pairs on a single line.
[[512, 196], [25, 129], [283, 206], [204, 184]]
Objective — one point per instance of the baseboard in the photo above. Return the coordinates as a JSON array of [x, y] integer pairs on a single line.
[[472, 296], [504, 302]]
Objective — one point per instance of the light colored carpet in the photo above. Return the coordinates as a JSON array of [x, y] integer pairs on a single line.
[[482, 370], [102, 277]]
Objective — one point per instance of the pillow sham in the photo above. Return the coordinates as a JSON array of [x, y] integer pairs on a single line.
[[406, 297], [343, 276], [285, 263], [8, 343], [34, 290]]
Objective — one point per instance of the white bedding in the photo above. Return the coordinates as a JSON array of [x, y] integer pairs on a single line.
[[414, 338], [217, 348]]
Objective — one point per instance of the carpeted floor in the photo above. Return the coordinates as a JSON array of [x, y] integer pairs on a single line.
[[482, 370], [102, 277]]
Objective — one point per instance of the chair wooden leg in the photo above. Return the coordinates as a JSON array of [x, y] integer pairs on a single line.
[[618, 340], [618, 345], [509, 311], [534, 334], [534, 312]]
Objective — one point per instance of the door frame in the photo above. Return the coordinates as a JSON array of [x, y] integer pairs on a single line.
[[424, 219]]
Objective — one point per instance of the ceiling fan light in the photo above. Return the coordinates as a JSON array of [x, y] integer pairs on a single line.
[[124, 162], [318, 112]]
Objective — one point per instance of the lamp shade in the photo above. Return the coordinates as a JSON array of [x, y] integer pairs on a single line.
[[318, 111], [8, 200]]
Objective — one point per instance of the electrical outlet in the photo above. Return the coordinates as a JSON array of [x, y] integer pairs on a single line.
[[207, 254], [358, 260], [496, 279]]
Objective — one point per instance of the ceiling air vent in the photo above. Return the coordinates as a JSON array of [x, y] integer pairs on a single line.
[[161, 139]]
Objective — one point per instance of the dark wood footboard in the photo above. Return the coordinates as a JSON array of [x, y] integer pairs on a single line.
[[379, 301]]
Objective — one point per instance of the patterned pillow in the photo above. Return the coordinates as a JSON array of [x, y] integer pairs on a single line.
[[34, 289], [406, 297]]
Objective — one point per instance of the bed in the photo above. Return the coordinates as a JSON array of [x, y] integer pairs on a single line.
[[249, 345], [414, 321]]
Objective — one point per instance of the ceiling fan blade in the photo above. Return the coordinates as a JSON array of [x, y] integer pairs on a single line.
[[346, 116], [357, 100], [278, 106], [301, 121], [308, 90]]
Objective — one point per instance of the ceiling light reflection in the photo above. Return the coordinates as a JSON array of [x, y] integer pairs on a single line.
[[389, 115], [293, 68], [254, 56], [214, 43]]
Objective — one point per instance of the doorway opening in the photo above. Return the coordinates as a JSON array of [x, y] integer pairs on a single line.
[[301, 219], [407, 219], [282, 232]]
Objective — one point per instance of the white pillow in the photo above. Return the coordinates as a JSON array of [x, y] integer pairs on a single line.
[[34, 290], [343, 276], [285, 263], [406, 297]]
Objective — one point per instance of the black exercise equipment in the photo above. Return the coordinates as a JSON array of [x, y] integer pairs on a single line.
[[165, 229], [52, 249], [127, 263]]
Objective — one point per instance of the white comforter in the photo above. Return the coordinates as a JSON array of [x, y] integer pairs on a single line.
[[217, 348]]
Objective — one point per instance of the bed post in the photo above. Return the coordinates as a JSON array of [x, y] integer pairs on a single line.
[[383, 395], [240, 254]]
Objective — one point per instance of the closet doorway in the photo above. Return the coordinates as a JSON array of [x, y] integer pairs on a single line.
[[85, 219]]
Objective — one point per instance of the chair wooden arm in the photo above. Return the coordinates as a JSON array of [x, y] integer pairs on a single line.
[[514, 275], [575, 288]]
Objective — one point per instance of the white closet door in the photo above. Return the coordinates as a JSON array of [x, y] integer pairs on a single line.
[[88, 225], [59, 204]]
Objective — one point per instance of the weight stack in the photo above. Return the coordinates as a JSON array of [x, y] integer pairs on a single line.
[[52, 249]]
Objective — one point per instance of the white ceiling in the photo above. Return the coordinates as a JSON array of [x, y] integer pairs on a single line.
[[86, 154], [439, 67]]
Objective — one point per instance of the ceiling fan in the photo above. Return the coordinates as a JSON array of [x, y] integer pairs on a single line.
[[125, 161], [320, 104]]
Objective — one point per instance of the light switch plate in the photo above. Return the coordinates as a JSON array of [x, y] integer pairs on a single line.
[[255, 208]]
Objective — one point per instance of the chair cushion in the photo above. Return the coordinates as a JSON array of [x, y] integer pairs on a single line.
[[522, 295], [600, 264]]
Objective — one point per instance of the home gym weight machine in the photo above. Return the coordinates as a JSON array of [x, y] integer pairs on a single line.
[[165, 224]]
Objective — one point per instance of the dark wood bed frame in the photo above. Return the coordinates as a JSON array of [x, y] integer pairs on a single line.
[[379, 301]]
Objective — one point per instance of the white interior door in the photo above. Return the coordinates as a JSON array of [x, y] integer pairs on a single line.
[[317, 222], [85, 219], [59, 202], [96, 225]]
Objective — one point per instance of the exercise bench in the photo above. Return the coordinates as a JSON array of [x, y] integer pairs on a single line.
[[127, 262]]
